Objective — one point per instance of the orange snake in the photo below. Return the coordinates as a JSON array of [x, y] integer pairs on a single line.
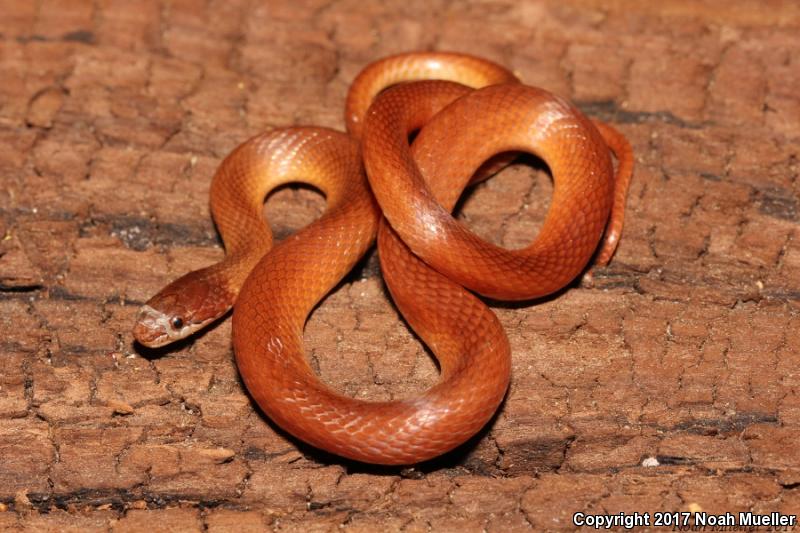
[[275, 289]]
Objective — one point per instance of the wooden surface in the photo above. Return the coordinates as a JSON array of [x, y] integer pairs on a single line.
[[671, 384]]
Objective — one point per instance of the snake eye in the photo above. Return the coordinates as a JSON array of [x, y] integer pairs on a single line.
[[176, 323]]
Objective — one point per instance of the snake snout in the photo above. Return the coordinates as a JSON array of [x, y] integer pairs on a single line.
[[150, 328]]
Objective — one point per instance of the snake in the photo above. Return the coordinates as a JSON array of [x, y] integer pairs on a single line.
[[468, 116]]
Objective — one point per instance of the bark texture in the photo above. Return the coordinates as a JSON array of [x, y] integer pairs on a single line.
[[670, 384]]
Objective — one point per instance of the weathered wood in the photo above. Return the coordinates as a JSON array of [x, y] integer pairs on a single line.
[[670, 384]]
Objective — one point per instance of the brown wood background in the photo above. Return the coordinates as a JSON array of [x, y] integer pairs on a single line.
[[671, 384]]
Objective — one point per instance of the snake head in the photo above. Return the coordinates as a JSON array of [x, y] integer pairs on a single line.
[[181, 308]]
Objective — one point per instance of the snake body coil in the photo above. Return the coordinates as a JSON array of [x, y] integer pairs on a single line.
[[430, 262]]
